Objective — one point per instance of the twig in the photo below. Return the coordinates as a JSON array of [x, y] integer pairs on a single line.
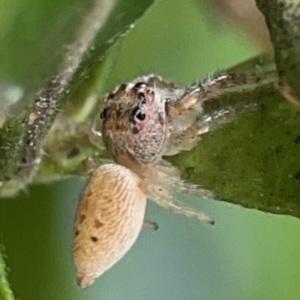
[[27, 153]]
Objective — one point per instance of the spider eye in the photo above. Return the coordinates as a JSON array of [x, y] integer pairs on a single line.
[[140, 115], [140, 85], [137, 115]]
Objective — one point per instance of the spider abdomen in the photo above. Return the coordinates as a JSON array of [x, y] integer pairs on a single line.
[[109, 220]]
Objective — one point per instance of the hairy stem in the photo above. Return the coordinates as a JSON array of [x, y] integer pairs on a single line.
[[283, 20], [22, 146]]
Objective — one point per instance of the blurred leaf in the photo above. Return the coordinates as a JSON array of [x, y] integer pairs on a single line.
[[34, 35], [5, 291]]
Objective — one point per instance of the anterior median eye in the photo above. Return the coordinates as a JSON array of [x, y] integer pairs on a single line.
[[140, 115], [137, 115]]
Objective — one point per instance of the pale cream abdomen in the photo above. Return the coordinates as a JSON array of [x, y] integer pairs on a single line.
[[109, 219]]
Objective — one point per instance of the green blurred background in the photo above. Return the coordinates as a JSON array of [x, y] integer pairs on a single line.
[[246, 255]]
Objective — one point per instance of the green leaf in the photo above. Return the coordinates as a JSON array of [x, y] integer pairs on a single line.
[[34, 36], [5, 291]]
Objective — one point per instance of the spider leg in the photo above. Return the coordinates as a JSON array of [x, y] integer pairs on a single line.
[[217, 85], [208, 101], [168, 174], [166, 201], [185, 140], [167, 182], [200, 108], [180, 120], [194, 189], [150, 225]]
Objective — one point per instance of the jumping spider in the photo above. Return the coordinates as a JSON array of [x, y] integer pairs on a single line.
[[139, 123]]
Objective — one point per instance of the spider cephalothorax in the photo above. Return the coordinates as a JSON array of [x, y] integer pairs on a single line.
[[134, 122]]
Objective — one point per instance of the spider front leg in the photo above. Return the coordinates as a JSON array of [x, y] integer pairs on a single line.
[[202, 108], [163, 181], [150, 225], [184, 141], [164, 200], [215, 86]]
